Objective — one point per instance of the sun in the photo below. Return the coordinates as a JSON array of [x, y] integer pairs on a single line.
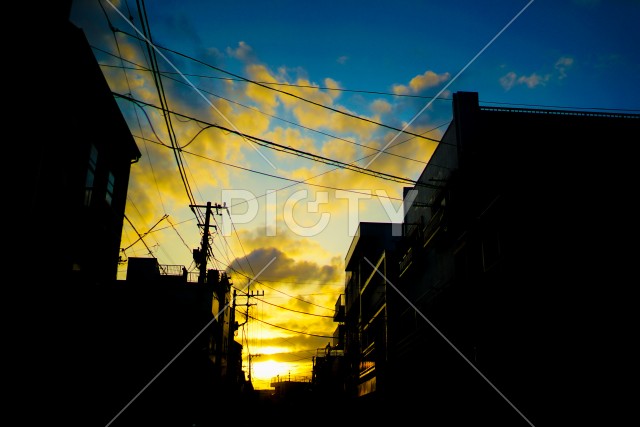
[[268, 369]]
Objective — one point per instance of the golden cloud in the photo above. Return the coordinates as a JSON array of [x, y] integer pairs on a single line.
[[420, 82]]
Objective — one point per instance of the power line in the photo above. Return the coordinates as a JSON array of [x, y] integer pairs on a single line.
[[295, 181], [295, 311], [286, 121], [373, 92], [335, 110], [293, 151], [290, 330], [157, 78], [241, 246], [277, 290], [320, 282]]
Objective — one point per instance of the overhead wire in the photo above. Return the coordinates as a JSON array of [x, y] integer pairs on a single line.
[[162, 97], [176, 230], [290, 330], [181, 162], [240, 242], [164, 104], [120, 56], [301, 153], [290, 309], [153, 173], [338, 89], [386, 152], [335, 110], [274, 289], [167, 114], [157, 78], [295, 181]]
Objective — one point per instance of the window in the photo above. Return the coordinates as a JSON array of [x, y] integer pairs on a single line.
[[110, 186], [91, 173]]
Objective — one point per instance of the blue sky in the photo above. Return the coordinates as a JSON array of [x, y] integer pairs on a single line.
[[368, 61]]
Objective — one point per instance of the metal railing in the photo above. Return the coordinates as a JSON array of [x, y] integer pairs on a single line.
[[289, 378]]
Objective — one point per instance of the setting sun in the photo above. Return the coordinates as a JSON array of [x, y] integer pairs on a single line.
[[268, 369]]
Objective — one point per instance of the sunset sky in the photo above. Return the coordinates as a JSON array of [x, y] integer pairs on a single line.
[[364, 83]]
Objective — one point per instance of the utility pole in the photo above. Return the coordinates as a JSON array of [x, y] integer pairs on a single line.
[[200, 255], [249, 294]]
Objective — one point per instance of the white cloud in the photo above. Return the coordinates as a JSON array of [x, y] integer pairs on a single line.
[[562, 65], [508, 80], [342, 60], [533, 80]]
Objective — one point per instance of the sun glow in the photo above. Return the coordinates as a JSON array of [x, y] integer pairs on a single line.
[[269, 369], [272, 350]]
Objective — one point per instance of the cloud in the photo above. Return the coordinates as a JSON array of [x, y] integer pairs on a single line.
[[321, 118], [290, 137], [294, 309], [296, 247], [297, 286], [562, 65], [213, 52], [266, 99], [380, 106], [286, 268], [509, 80], [533, 80], [243, 52], [342, 59], [420, 82], [332, 84]]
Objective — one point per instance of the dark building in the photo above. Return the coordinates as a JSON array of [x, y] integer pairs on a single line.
[[366, 345], [79, 175], [175, 328], [94, 350], [76, 152], [508, 252]]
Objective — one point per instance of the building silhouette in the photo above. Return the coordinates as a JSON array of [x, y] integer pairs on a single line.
[[169, 316], [366, 303], [492, 283], [155, 349]]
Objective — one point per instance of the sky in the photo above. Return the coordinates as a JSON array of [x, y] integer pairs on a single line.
[[303, 119]]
